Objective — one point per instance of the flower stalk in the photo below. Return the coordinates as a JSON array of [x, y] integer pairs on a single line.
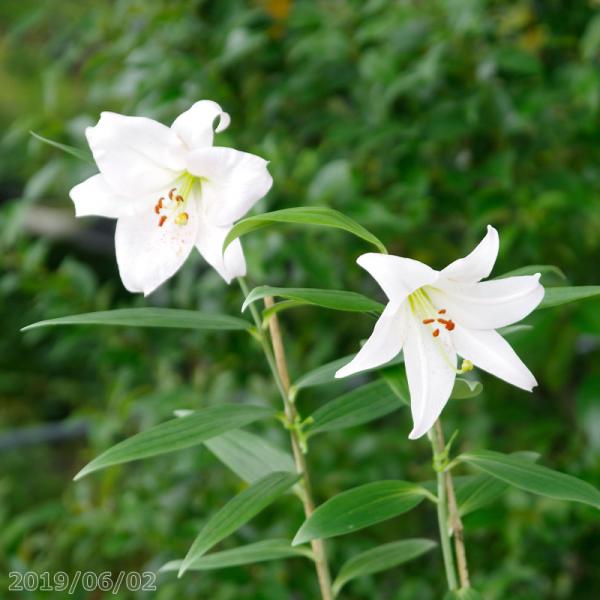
[[454, 518], [275, 355], [439, 451]]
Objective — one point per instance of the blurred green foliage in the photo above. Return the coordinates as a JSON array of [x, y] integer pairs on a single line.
[[424, 122]]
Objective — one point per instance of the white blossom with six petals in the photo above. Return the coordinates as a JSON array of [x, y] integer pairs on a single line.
[[170, 189], [433, 316]]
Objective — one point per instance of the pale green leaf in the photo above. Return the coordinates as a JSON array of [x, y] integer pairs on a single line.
[[237, 512], [150, 317], [473, 492], [533, 270], [380, 559], [360, 507], [533, 478], [249, 456], [244, 555], [178, 433], [76, 152], [364, 404], [465, 388], [326, 373], [332, 299], [555, 296], [303, 215]]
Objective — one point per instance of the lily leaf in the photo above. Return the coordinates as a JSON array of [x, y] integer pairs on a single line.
[[473, 492], [237, 512], [333, 299], [319, 376], [76, 152], [511, 329], [534, 269], [360, 507], [149, 317], [249, 456], [380, 559], [244, 555], [177, 434], [465, 388], [279, 307], [326, 373], [555, 296], [356, 407], [533, 478], [304, 215]]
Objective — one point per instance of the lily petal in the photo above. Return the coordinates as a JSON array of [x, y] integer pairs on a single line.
[[196, 125], [478, 264], [93, 197], [489, 304], [397, 277], [489, 351], [431, 370], [147, 254], [137, 156], [209, 243], [233, 182], [384, 343]]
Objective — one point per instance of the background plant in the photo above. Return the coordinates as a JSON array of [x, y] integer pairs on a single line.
[[423, 123]]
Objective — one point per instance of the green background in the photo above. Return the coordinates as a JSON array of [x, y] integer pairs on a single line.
[[424, 121]]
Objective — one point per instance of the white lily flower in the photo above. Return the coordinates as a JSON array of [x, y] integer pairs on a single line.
[[433, 316], [170, 189]]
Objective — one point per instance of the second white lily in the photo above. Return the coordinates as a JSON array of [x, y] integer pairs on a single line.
[[170, 190], [433, 316]]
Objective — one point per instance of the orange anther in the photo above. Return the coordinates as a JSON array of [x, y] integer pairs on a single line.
[[442, 311], [442, 321], [436, 333], [162, 220], [171, 193], [179, 198], [428, 321], [450, 325]]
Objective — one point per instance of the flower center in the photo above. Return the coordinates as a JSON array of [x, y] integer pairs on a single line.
[[173, 206], [422, 306]]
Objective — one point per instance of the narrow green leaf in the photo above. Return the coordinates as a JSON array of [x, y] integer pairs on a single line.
[[326, 373], [76, 152], [381, 558], [512, 329], [555, 296], [237, 512], [178, 433], [360, 507], [464, 594], [396, 379], [319, 376], [279, 307], [356, 407], [244, 555], [533, 270], [473, 492], [249, 456], [465, 388], [304, 215], [333, 299], [150, 317], [533, 478]]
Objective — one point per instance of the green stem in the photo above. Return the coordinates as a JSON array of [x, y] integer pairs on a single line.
[[278, 366], [437, 446]]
